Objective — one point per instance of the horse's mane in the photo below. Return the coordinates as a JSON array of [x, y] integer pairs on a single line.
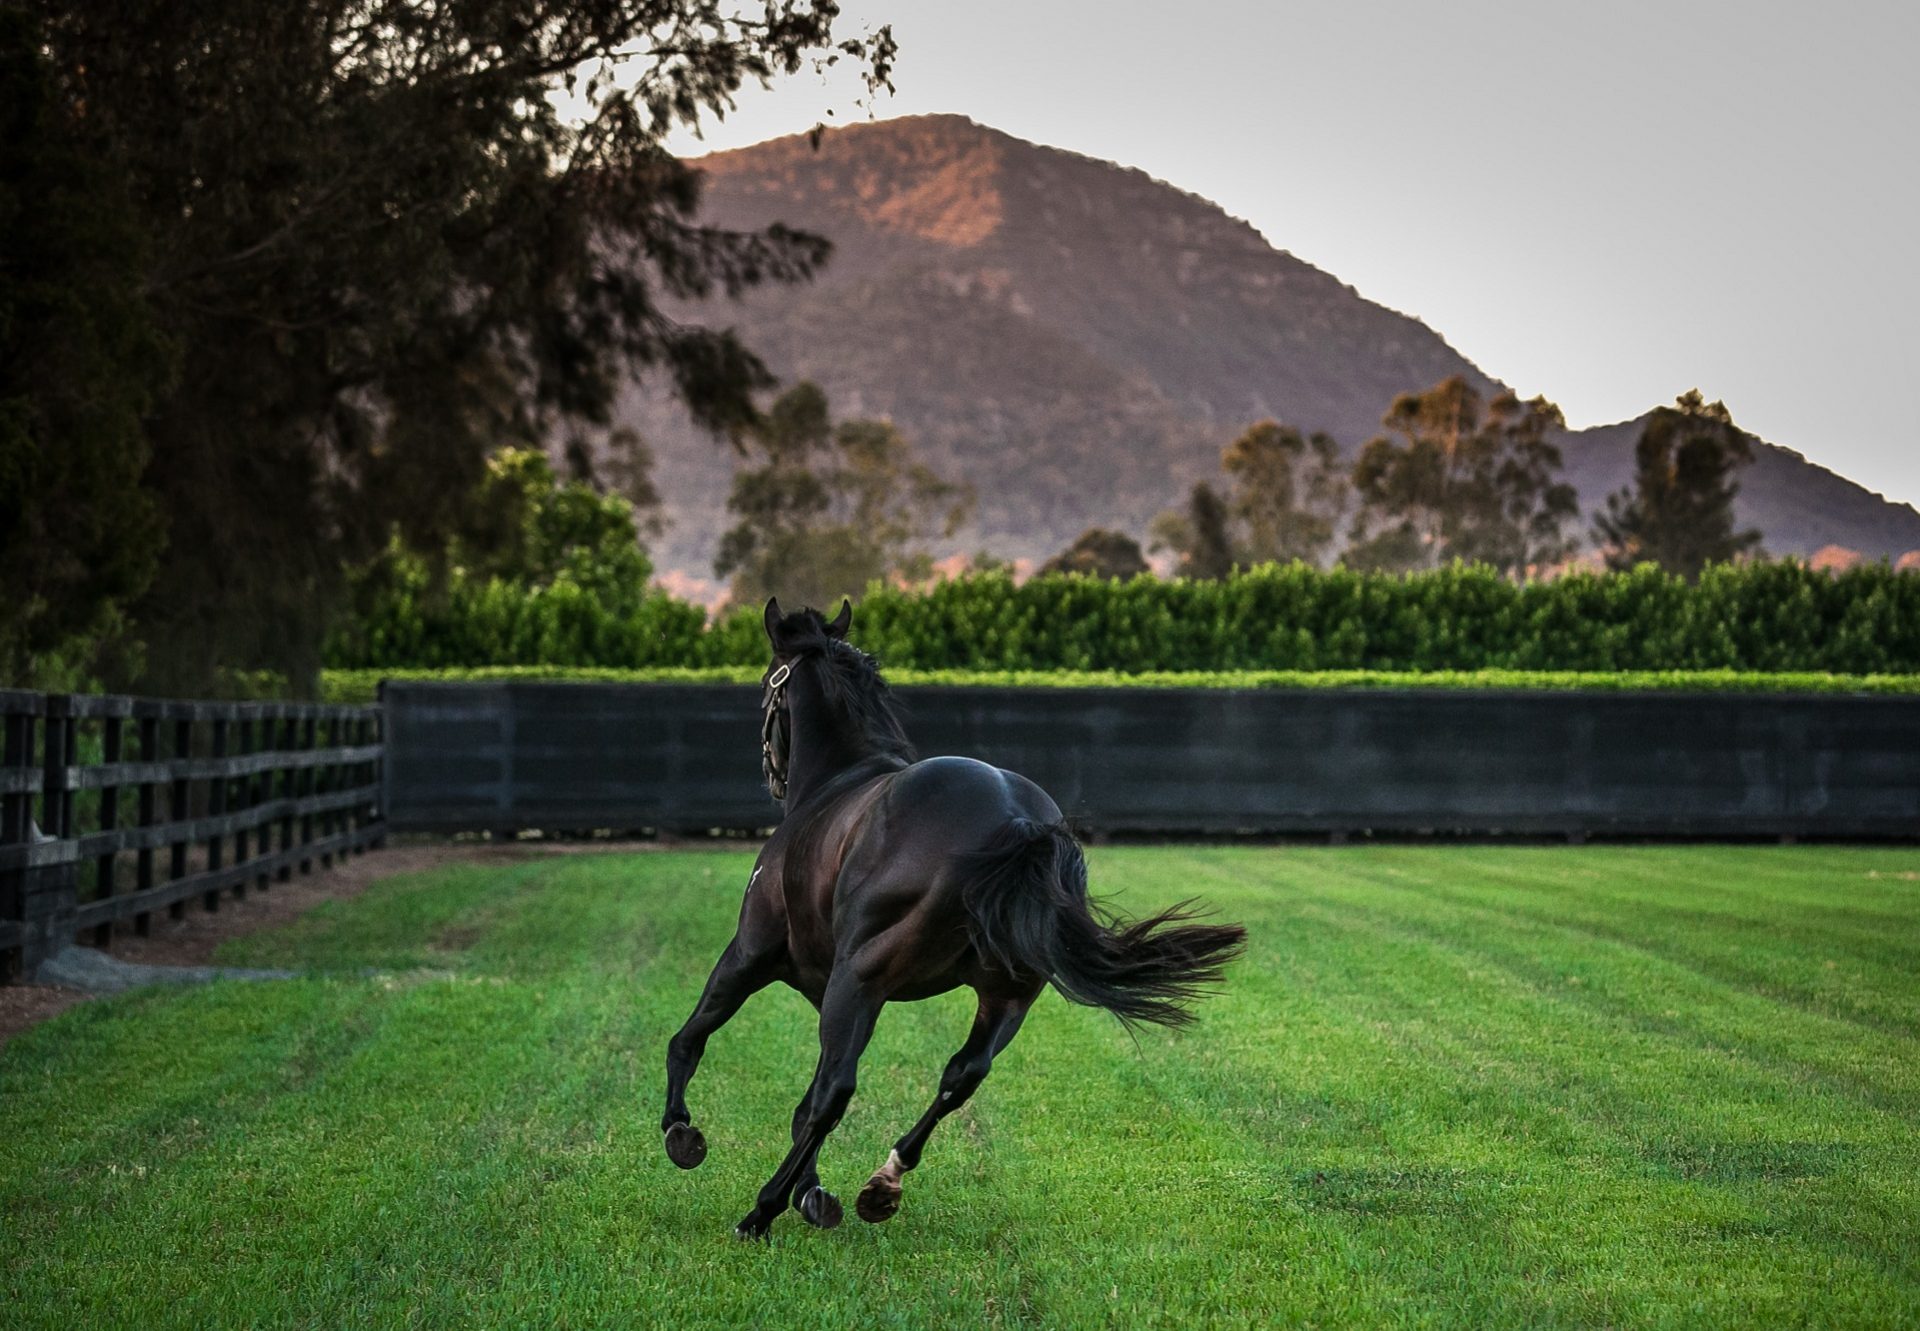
[[853, 681]]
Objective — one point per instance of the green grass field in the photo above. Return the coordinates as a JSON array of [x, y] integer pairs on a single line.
[[1473, 1087]]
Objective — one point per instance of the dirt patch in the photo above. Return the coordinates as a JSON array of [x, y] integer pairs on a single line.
[[192, 939], [24, 1005], [457, 938]]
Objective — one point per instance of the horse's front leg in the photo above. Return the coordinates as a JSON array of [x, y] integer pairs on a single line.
[[816, 1205], [994, 1025], [847, 1017], [739, 974]]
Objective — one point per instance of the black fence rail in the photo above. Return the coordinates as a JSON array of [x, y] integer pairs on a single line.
[[113, 808], [686, 758]]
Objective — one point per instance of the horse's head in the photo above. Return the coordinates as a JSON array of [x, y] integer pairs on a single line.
[[807, 629], [792, 637]]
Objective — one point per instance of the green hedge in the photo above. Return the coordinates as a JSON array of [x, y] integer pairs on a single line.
[[501, 623], [1767, 617], [355, 686], [1758, 617]]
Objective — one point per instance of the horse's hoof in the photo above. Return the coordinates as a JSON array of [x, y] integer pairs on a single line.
[[820, 1208], [685, 1146], [753, 1229], [878, 1200]]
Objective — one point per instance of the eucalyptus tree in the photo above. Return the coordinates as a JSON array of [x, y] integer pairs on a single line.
[[824, 509], [1285, 494], [1460, 477]]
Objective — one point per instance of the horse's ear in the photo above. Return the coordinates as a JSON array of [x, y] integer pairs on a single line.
[[772, 617], [842, 621]]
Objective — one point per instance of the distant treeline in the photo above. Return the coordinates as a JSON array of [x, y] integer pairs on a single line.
[[1758, 617]]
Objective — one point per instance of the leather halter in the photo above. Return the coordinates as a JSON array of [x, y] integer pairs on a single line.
[[776, 731]]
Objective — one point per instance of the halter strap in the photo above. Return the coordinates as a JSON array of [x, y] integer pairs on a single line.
[[773, 757]]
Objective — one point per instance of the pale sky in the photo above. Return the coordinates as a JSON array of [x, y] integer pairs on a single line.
[[1605, 203]]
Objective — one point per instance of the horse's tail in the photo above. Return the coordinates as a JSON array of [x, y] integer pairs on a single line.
[[1026, 895]]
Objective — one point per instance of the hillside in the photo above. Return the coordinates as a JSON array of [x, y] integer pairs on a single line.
[[1080, 340]]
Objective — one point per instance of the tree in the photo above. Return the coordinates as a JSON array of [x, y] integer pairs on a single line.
[[1197, 535], [1464, 479], [388, 236], [81, 361], [830, 509], [1100, 553], [525, 532], [529, 529], [1289, 493], [1286, 495], [1678, 513]]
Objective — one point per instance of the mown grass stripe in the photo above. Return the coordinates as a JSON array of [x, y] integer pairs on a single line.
[[1400, 1112]]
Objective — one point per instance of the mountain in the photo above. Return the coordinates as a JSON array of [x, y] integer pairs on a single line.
[[1080, 340], [1798, 505]]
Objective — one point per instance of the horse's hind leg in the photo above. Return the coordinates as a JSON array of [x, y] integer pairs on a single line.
[[994, 1026], [736, 977]]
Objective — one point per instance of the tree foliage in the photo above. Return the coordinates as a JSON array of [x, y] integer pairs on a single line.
[[525, 527], [1678, 513], [388, 236], [1197, 535], [1459, 478], [1100, 553], [542, 570], [81, 360], [1289, 493], [829, 509], [1285, 496]]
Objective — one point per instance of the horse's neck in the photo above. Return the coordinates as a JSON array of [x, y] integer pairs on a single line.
[[825, 742]]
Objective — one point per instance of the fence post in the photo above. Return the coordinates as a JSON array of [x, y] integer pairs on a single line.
[[353, 817], [16, 804], [263, 792], [109, 821], [243, 792], [149, 815], [327, 775], [52, 879], [382, 769], [289, 790], [308, 778], [180, 808], [216, 807]]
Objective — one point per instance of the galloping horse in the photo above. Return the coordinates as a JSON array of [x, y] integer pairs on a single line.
[[894, 879]]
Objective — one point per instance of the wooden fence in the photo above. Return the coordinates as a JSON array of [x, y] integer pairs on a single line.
[[113, 808]]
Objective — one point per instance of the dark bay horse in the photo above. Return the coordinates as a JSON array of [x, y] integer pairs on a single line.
[[890, 879]]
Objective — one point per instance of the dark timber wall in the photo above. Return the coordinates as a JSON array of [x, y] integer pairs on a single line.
[[573, 757]]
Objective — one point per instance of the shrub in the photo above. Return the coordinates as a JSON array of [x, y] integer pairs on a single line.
[[1754, 617]]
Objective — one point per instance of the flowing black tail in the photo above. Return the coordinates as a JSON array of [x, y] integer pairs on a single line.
[[1027, 897]]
